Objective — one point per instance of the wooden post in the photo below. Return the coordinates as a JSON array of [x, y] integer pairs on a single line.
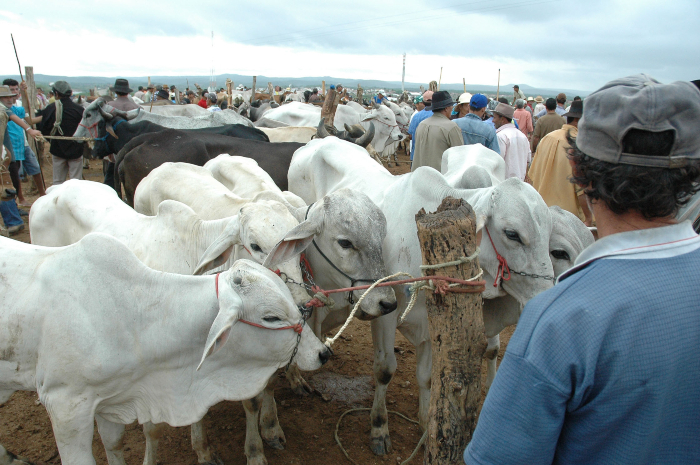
[[329, 107], [498, 89], [323, 88], [28, 100], [176, 91], [464, 84], [229, 90], [433, 86], [270, 90], [456, 330], [359, 94], [440, 81], [149, 81], [252, 95]]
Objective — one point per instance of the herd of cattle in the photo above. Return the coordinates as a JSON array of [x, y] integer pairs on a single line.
[[129, 310]]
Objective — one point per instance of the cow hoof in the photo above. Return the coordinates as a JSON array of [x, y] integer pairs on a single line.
[[381, 445], [275, 443], [215, 460], [257, 461], [299, 385]]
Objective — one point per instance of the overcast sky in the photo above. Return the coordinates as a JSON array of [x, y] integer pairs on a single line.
[[571, 44]]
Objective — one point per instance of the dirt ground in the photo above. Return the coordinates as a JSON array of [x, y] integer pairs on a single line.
[[308, 422]]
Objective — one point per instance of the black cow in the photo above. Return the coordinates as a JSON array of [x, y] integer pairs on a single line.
[[125, 131], [146, 152]]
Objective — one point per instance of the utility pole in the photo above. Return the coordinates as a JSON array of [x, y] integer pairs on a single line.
[[403, 74]]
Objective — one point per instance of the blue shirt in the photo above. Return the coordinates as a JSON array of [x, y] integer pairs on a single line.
[[603, 368], [475, 131], [16, 134], [425, 113], [559, 110], [376, 99]]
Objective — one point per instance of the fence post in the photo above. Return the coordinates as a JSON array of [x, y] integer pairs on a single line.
[[329, 107], [456, 331], [252, 95]]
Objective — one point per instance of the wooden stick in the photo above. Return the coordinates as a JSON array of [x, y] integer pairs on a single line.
[[252, 95], [323, 88], [229, 90], [456, 330], [464, 83], [28, 97], [440, 81], [84, 139], [498, 89]]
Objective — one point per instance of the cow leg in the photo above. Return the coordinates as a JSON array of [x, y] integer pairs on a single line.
[[270, 428], [200, 444], [253, 442], [4, 395], [494, 345], [73, 427], [153, 433], [416, 330], [297, 382], [112, 435], [383, 337]]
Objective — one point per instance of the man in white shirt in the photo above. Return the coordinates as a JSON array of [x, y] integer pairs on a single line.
[[515, 148]]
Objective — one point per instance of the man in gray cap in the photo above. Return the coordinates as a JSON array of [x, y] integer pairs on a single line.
[[603, 368], [436, 134], [515, 148]]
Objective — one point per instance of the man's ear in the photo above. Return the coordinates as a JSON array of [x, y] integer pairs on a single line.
[[220, 250]]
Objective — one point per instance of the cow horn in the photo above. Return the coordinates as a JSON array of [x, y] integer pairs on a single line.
[[120, 113], [129, 115], [321, 131], [375, 105], [106, 115], [367, 137]]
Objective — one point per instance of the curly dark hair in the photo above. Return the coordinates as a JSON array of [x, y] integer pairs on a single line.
[[653, 192]]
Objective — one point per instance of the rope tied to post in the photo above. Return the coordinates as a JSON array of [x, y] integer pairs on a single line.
[[438, 284]]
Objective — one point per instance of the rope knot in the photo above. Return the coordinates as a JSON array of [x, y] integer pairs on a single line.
[[441, 287]]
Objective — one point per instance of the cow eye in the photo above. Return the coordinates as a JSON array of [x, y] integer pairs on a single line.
[[256, 247], [87, 114], [271, 319], [560, 254], [344, 243], [512, 235]]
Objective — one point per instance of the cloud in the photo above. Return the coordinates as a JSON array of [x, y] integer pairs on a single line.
[[543, 43]]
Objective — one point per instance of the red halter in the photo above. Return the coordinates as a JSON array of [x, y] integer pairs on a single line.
[[297, 327], [502, 263]]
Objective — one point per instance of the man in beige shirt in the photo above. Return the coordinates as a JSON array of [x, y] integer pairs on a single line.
[[436, 134]]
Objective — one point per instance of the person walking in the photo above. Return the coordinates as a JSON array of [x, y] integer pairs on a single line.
[[547, 123], [523, 118], [436, 134]]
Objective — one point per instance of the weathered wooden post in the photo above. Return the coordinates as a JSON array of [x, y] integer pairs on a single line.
[[433, 86], [329, 107], [271, 91], [359, 94], [456, 330], [229, 90], [252, 95], [323, 88]]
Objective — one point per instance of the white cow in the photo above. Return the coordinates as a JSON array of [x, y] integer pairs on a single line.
[[513, 212], [301, 134], [140, 345], [190, 109], [244, 177], [386, 130]]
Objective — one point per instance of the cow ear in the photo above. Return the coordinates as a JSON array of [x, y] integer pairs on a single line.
[[368, 116], [220, 250], [230, 305], [294, 243]]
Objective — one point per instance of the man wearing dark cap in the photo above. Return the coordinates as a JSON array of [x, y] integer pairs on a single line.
[[436, 134], [515, 148], [603, 367], [547, 123], [62, 118], [550, 170], [474, 129], [162, 98], [517, 93]]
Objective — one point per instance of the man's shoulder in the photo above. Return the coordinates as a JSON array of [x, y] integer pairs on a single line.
[[19, 111]]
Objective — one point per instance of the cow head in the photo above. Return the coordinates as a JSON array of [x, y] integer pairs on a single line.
[[349, 230], [520, 226], [97, 112], [401, 118], [569, 237], [259, 227], [386, 129], [250, 292]]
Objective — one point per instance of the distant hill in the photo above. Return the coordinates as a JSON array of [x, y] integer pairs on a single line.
[[83, 83]]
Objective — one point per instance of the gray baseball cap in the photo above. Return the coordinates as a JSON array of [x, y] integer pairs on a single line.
[[62, 87], [641, 102]]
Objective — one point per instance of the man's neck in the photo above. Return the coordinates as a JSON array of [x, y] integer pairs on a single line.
[[611, 223], [551, 111]]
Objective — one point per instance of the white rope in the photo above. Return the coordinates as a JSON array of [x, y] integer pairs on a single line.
[[330, 341]]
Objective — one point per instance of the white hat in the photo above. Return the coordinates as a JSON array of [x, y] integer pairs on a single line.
[[464, 98]]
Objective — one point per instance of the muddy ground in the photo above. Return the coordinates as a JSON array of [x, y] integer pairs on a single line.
[[308, 422]]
